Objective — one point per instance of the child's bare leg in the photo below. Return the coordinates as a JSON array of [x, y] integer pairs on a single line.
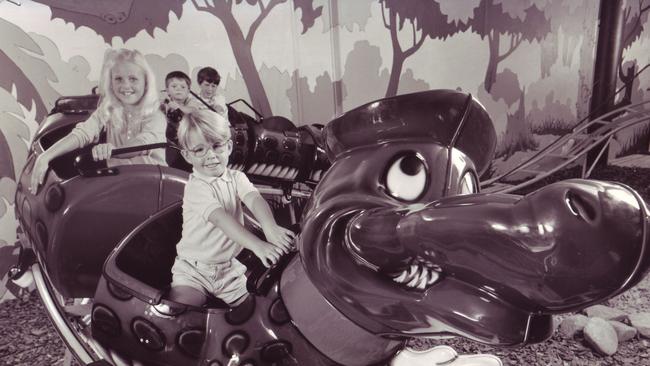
[[187, 295]]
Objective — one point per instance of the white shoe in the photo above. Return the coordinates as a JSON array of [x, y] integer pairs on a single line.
[[442, 355]]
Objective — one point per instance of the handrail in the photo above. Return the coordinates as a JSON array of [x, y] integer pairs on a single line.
[[634, 115], [258, 114]]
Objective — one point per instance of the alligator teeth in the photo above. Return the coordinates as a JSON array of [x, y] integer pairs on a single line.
[[317, 175], [433, 277], [401, 278], [418, 276], [422, 283], [413, 271], [414, 281]]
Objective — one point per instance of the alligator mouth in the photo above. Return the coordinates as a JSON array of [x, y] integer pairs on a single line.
[[410, 270], [565, 247], [420, 275]]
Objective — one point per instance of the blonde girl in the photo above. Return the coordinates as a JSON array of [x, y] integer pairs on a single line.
[[128, 112]]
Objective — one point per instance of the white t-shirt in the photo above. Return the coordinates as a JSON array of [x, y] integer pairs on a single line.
[[201, 240], [218, 102]]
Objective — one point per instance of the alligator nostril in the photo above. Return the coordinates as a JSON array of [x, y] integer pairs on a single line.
[[580, 207]]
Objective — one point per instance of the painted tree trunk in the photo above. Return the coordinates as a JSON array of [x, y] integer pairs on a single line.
[[491, 71], [244, 57], [395, 72]]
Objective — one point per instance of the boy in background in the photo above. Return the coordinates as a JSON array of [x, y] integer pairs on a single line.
[[176, 104], [209, 79]]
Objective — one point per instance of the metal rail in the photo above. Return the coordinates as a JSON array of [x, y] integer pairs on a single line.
[[61, 324], [569, 149]]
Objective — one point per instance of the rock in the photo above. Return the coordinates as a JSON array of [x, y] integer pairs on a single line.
[[605, 312], [38, 331], [572, 325], [601, 336], [623, 331], [641, 321]]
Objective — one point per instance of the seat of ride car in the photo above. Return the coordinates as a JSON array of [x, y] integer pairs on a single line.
[[144, 260]]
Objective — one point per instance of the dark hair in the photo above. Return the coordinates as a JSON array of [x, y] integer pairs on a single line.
[[208, 74], [178, 75]]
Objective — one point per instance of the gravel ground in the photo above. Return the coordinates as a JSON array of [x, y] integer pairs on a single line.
[[559, 351], [28, 338]]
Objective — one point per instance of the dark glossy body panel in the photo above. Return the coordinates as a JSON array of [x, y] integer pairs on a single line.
[[503, 263], [347, 343], [96, 213], [207, 333], [532, 253], [73, 238], [133, 289], [433, 116]]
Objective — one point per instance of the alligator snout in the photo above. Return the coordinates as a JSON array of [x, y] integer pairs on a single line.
[[561, 248]]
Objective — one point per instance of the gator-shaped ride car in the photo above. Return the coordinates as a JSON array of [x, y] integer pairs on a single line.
[[394, 242]]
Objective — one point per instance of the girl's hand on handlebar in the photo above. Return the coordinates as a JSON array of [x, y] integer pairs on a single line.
[[38, 172], [102, 151]]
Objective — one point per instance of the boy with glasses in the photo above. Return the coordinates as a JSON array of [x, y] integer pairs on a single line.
[[213, 220]]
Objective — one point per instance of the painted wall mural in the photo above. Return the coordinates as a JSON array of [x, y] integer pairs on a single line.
[[530, 62]]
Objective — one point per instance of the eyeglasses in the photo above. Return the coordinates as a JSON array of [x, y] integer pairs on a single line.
[[200, 151]]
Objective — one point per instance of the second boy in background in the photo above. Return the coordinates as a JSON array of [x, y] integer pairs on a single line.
[[209, 79]]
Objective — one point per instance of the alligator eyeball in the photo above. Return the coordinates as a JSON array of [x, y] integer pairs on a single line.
[[406, 176]]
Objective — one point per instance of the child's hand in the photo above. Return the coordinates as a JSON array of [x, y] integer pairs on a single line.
[[280, 237], [267, 253], [102, 151], [172, 105], [38, 172]]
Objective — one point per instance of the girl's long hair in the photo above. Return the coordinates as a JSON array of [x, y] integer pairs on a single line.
[[110, 108]]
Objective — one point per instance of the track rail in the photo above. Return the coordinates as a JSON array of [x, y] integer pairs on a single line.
[[570, 149]]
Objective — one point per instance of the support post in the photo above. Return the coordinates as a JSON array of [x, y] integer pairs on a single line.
[[610, 34]]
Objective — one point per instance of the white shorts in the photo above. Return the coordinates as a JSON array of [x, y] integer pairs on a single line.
[[226, 281]]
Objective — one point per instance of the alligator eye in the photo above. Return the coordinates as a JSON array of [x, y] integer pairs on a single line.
[[468, 184], [406, 177]]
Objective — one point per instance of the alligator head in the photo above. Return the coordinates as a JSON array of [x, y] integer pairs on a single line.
[[390, 243]]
